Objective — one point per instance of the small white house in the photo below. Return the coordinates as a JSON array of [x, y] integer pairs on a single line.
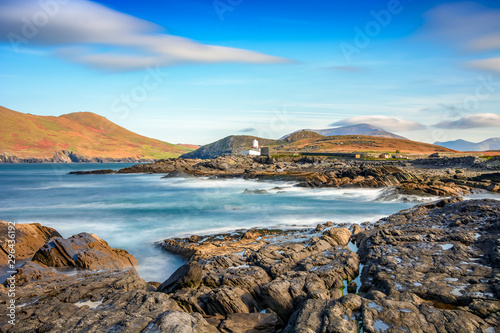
[[250, 152], [254, 150]]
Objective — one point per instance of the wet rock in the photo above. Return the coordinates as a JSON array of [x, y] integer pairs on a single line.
[[177, 321], [28, 239], [250, 322], [277, 297], [57, 300], [247, 191], [337, 236], [425, 177], [341, 315], [352, 287], [186, 276], [83, 251], [227, 300], [431, 268]]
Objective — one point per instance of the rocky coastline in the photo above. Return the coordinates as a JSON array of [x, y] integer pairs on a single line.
[[424, 177], [66, 156], [431, 268]]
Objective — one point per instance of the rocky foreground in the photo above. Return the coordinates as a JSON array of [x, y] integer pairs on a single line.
[[428, 177], [433, 268]]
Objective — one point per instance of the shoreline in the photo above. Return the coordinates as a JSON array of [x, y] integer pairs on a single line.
[[434, 265], [426, 177]]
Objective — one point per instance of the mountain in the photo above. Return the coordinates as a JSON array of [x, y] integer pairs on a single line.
[[229, 145], [306, 141], [359, 129], [463, 145], [83, 134]]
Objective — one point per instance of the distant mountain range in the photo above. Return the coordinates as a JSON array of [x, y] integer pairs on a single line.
[[80, 135], [306, 141], [359, 129], [463, 145]]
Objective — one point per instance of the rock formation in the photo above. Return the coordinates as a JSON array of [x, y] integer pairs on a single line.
[[424, 177], [83, 251], [28, 239], [432, 268]]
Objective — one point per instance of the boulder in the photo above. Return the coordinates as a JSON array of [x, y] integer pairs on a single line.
[[250, 322], [276, 296], [85, 251], [186, 276], [28, 237], [337, 236], [227, 300], [178, 321], [94, 301]]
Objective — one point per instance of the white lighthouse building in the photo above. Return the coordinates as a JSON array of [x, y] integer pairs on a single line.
[[254, 150]]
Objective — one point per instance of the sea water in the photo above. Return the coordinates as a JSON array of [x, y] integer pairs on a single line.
[[132, 211]]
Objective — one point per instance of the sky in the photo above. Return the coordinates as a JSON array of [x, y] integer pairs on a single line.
[[195, 71]]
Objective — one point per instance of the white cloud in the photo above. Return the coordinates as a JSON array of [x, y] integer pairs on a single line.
[[78, 30], [385, 122], [491, 64], [472, 121]]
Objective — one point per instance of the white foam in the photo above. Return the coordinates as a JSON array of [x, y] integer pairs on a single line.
[[380, 326], [373, 305], [89, 303], [457, 291]]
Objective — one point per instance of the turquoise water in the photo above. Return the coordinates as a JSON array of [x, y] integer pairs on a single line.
[[132, 211]]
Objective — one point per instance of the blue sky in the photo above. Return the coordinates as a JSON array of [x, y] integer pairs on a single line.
[[196, 71]]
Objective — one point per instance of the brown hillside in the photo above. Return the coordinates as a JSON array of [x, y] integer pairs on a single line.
[[306, 141], [358, 143], [85, 133]]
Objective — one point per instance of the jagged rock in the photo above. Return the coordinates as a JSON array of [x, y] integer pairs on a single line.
[[433, 268], [352, 287], [28, 239], [93, 301], [84, 251], [324, 173], [277, 297], [250, 322], [33, 271], [257, 191], [337, 236], [178, 321], [186, 276], [227, 300], [337, 316]]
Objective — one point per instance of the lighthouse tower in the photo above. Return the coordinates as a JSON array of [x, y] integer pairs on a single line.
[[254, 149]]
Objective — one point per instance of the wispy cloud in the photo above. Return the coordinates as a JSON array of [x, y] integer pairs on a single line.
[[347, 69], [472, 121], [469, 26], [466, 26], [385, 122], [491, 64], [247, 130], [79, 30]]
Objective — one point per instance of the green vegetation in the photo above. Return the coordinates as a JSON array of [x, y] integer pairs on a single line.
[[49, 124]]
